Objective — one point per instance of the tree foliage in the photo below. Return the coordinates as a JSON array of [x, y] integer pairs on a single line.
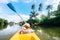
[[46, 20], [49, 7], [40, 7], [33, 12], [3, 23], [52, 21]]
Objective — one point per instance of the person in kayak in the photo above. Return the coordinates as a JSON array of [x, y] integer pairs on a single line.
[[26, 29]]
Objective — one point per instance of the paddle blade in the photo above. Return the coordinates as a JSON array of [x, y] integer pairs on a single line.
[[11, 7]]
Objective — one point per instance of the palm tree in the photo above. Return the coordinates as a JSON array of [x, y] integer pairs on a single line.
[[49, 7], [33, 7], [58, 7], [40, 7], [33, 13]]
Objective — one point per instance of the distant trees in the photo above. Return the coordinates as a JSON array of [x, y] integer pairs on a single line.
[[21, 23], [34, 22], [58, 7], [40, 7], [49, 7], [33, 15], [52, 21], [33, 12], [11, 23], [3, 23], [57, 12], [33, 7], [45, 20]]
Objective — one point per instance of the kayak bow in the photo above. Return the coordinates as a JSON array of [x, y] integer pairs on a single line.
[[31, 36]]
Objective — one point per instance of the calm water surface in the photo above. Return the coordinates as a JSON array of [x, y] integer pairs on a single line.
[[43, 33], [49, 33], [6, 33]]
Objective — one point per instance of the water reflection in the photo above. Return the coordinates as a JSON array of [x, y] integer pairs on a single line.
[[6, 33], [46, 36], [2, 26]]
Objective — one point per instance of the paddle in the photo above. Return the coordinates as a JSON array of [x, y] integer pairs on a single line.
[[12, 8]]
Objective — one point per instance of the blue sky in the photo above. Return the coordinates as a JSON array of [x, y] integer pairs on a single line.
[[23, 7]]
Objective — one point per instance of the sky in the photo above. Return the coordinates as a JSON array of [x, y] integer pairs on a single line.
[[23, 7]]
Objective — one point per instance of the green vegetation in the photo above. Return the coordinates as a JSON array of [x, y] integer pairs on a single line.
[[33, 22], [52, 21], [33, 13], [49, 8], [11, 23], [3, 23], [21, 23], [45, 20]]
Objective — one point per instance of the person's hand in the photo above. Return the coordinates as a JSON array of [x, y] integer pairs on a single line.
[[20, 32]]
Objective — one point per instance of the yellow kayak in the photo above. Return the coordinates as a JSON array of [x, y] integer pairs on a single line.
[[31, 36]]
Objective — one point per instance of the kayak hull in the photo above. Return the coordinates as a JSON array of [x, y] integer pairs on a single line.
[[31, 36]]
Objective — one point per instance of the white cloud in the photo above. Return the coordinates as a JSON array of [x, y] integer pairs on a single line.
[[4, 1], [14, 0], [47, 2], [14, 18], [42, 13], [1, 9], [29, 1], [25, 1], [53, 2], [7, 1]]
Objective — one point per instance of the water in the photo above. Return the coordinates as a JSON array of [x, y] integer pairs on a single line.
[[6, 33], [49, 33], [43, 33]]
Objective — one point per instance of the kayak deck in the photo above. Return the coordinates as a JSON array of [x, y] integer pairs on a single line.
[[31, 36]]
